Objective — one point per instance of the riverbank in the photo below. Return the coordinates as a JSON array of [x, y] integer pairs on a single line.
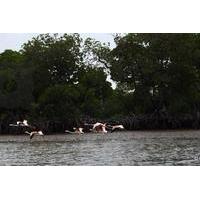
[[120, 135]]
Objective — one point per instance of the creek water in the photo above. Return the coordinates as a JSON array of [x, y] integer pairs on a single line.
[[127, 148]]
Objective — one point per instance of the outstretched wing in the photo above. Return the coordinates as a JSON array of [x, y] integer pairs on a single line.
[[70, 132]]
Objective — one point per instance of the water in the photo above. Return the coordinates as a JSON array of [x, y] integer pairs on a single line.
[[118, 148]]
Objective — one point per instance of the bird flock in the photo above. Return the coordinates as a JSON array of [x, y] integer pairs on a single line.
[[97, 128], [34, 130], [94, 128]]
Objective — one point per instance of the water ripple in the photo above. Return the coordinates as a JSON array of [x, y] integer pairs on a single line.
[[123, 148]]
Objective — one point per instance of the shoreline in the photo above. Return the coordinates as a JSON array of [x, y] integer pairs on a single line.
[[92, 133], [120, 136]]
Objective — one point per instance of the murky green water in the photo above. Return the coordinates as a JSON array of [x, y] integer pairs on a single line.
[[118, 148]]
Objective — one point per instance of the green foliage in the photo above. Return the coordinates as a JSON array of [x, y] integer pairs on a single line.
[[7, 81], [96, 54], [160, 69], [16, 85], [94, 92], [62, 78], [10, 59], [59, 102]]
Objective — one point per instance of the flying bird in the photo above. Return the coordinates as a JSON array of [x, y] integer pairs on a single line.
[[99, 127], [33, 133], [117, 127], [23, 123], [76, 130]]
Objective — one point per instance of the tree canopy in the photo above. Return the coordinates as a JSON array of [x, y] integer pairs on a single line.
[[160, 69], [63, 78]]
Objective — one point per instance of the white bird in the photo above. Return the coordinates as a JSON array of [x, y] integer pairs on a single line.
[[76, 130], [33, 133], [97, 124], [23, 123], [99, 128], [117, 127]]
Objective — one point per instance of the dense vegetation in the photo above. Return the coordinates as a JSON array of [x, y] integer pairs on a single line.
[[61, 81]]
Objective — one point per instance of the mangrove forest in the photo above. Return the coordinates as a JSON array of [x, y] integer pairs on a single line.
[[146, 81]]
